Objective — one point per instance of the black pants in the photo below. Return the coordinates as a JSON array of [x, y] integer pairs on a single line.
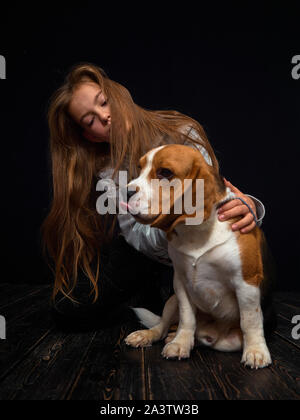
[[127, 278]]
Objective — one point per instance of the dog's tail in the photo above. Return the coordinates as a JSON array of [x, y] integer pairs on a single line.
[[146, 318]]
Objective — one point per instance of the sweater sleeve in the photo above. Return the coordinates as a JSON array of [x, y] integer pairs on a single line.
[[260, 209], [148, 240]]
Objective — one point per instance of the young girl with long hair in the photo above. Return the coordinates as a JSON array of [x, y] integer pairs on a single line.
[[96, 130]]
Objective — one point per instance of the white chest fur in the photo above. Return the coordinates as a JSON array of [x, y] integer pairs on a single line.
[[207, 258]]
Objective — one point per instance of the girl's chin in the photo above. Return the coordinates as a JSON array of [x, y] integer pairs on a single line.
[[104, 140], [97, 138], [101, 139]]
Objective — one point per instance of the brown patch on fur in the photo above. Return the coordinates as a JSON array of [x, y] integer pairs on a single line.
[[173, 328], [143, 161], [251, 258], [186, 163]]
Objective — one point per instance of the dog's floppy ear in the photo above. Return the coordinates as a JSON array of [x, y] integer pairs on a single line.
[[169, 221], [200, 170], [163, 221], [210, 189], [194, 174]]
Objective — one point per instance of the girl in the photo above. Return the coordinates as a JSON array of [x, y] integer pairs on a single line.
[[101, 262]]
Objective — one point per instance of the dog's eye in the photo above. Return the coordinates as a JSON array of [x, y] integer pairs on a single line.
[[164, 173]]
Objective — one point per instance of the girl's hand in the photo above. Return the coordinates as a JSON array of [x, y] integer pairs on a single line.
[[236, 208]]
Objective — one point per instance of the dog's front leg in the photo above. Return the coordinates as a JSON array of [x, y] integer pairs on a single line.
[[255, 351], [181, 346]]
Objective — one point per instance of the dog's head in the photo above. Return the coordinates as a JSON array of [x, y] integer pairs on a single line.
[[154, 196]]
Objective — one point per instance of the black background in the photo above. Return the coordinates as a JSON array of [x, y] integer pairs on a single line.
[[229, 68]]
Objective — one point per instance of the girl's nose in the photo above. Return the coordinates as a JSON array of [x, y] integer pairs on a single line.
[[104, 117]]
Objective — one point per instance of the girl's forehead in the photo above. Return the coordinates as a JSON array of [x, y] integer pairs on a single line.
[[86, 87], [83, 98]]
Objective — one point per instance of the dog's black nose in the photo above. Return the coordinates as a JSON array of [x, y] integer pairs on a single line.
[[130, 194]]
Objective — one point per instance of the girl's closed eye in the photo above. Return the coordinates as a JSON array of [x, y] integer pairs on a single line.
[[91, 122]]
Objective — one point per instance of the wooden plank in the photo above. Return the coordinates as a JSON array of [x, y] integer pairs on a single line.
[[105, 373], [286, 358], [131, 375], [28, 322], [209, 374], [40, 365], [284, 330], [49, 370], [286, 313], [96, 378], [289, 298], [286, 310], [130, 384], [240, 383], [11, 293], [29, 304], [179, 380], [130, 379]]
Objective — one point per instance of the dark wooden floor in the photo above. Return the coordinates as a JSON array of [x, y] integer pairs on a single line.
[[38, 362]]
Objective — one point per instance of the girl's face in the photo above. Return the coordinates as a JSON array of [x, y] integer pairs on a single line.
[[90, 109]]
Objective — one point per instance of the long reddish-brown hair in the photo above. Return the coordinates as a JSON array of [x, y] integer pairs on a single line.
[[73, 231]]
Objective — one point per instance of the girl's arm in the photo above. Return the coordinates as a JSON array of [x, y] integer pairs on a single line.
[[152, 242], [233, 208], [236, 208]]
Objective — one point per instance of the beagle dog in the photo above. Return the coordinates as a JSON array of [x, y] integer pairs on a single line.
[[221, 280]]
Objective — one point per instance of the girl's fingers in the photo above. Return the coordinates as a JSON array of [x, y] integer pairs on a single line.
[[235, 212], [235, 203], [234, 208], [232, 187], [248, 228], [230, 205], [246, 224]]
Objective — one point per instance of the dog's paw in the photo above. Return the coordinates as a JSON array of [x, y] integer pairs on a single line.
[[170, 337], [176, 350], [143, 338], [257, 357]]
